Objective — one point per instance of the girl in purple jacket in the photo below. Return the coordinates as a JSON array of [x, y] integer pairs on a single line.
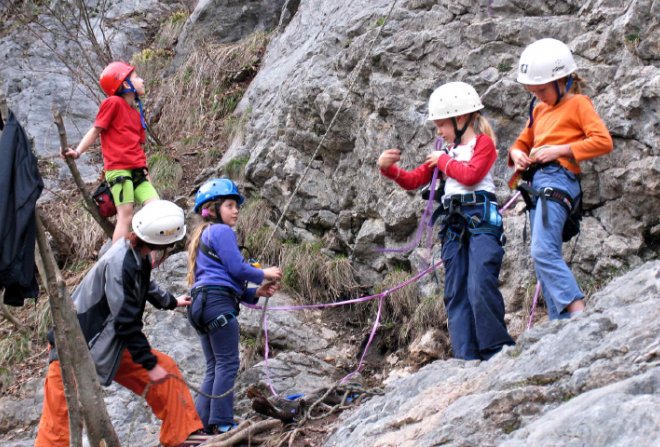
[[219, 275]]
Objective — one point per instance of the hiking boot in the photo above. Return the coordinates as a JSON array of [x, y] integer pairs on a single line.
[[196, 439], [224, 428]]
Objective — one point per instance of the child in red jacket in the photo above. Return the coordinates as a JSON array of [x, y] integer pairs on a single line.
[[471, 231], [121, 126]]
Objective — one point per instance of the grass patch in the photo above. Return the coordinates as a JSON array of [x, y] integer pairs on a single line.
[[312, 276], [633, 38], [149, 63], [504, 67], [409, 311], [235, 168], [171, 29], [205, 90], [165, 174], [14, 349], [84, 236]]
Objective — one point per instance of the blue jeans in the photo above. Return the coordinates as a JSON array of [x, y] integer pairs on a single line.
[[557, 281], [220, 349], [474, 304]]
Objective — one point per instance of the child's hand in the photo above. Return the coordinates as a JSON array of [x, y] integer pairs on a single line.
[[546, 154], [183, 300], [157, 374], [272, 274], [71, 153], [432, 158], [520, 159], [268, 289], [388, 158]]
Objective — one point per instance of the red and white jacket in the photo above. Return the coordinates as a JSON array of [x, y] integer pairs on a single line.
[[467, 168]]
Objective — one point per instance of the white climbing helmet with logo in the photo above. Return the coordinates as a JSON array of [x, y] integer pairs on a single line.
[[453, 99], [160, 223], [544, 61]]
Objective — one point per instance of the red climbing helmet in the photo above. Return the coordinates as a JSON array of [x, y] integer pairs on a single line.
[[113, 76]]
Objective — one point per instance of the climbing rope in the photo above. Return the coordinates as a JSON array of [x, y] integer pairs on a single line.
[[357, 71]]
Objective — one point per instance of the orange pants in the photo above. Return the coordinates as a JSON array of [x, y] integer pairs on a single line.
[[170, 401]]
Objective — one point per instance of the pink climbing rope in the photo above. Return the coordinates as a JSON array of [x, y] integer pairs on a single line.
[[380, 296], [534, 301]]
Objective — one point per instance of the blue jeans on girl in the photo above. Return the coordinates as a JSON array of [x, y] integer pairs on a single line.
[[557, 281], [220, 348], [473, 301]]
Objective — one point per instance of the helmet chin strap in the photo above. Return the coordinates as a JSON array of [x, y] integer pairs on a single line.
[[560, 95], [459, 132], [132, 89]]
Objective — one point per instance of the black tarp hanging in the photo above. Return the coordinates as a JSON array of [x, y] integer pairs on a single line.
[[20, 187]]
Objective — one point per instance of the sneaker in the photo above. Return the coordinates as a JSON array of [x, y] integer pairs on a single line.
[[195, 439], [224, 428]]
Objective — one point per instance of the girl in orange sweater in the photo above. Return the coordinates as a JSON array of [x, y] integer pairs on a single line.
[[563, 130]]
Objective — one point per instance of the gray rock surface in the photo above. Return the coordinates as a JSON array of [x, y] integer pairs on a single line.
[[307, 71], [592, 380], [34, 78], [225, 21]]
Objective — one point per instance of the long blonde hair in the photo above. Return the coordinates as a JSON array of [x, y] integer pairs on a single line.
[[193, 242], [482, 126]]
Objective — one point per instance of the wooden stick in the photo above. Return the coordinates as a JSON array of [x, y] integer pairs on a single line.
[[243, 435], [8, 316], [87, 198], [74, 356]]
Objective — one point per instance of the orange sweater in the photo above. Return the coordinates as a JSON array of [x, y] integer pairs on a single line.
[[574, 121]]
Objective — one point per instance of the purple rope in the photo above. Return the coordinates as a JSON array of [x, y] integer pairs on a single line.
[[536, 297], [510, 202], [422, 222], [268, 378], [352, 301], [425, 220], [379, 296], [371, 338]]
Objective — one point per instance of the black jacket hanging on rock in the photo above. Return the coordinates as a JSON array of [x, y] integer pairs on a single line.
[[20, 187]]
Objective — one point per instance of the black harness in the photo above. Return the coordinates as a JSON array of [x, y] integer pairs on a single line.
[[222, 319], [138, 176], [458, 225], [572, 206]]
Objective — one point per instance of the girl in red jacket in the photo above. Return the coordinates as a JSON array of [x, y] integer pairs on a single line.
[[471, 226]]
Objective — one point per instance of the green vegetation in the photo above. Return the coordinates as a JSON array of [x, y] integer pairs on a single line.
[[235, 168], [633, 38], [504, 67], [165, 174], [202, 95], [313, 276]]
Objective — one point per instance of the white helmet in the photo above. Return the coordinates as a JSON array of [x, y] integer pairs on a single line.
[[544, 61], [453, 99], [160, 223]]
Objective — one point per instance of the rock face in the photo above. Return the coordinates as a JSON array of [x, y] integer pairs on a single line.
[[309, 67], [37, 67], [224, 21], [592, 380]]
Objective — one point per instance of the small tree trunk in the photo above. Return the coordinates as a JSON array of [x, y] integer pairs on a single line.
[[74, 355], [87, 198]]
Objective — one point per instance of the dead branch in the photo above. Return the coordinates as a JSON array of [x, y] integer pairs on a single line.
[[87, 198], [242, 433], [7, 315], [62, 240], [81, 386]]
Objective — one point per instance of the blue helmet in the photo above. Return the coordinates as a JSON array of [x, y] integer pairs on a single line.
[[216, 188]]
